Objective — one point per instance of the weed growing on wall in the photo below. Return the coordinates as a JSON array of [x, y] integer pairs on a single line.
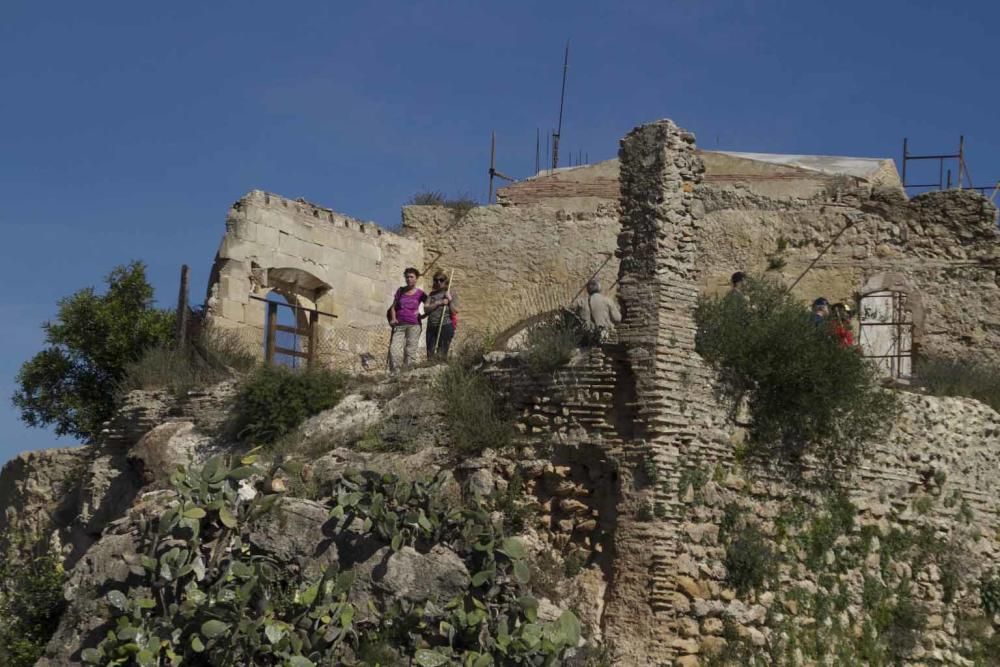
[[989, 592], [863, 588], [273, 400], [474, 414], [749, 560], [459, 205], [216, 355], [806, 395], [552, 343], [951, 377], [31, 602]]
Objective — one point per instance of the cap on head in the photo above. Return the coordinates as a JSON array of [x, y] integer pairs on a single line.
[[820, 302], [841, 309], [593, 286]]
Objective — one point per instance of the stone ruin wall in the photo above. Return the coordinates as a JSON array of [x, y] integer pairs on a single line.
[[941, 248], [511, 263], [315, 258], [532, 254], [665, 448]]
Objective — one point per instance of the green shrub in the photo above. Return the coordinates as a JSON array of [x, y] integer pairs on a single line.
[[805, 393], [750, 560], [989, 592], [835, 520], [215, 356], [474, 415], [273, 400], [31, 602], [551, 344], [428, 198], [907, 621], [950, 377]]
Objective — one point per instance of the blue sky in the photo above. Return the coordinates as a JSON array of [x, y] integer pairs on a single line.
[[127, 129]]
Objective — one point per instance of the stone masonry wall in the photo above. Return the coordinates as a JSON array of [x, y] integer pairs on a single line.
[[313, 257], [921, 516], [675, 411], [942, 248], [511, 263]]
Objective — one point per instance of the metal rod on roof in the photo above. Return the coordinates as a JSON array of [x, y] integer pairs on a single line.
[[961, 159], [562, 99], [538, 148], [493, 164], [548, 142], [905, 158]]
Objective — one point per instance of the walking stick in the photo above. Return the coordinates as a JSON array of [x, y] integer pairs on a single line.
[[444, 314]]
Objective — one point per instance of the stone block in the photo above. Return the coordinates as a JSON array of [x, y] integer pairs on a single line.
[[231, 310]]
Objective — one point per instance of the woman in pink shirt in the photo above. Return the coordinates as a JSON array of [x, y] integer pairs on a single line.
[[404, 317]]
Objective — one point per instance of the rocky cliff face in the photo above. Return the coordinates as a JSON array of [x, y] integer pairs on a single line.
[[95, 504], [761, 568]]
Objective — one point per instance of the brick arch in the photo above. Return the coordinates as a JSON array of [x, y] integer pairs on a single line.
[[529, 302], [505, 336]]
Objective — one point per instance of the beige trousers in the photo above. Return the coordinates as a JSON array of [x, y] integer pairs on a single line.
[[404, 345]]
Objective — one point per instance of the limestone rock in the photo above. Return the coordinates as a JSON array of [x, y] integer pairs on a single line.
[[38, 491], [296, 533], [167, 446], [344, 423], [438, 575]]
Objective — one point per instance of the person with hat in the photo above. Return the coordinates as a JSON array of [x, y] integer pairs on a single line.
[[820, 311], [440, 310]]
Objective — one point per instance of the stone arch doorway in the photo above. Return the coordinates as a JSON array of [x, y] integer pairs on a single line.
[[293, 300], [890, 319]]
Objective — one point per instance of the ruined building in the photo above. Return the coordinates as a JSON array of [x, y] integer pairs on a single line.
[[926, 266], [628, 453], [662, 224]]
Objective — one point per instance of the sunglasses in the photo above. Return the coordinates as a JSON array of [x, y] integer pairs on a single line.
[[440, 280]]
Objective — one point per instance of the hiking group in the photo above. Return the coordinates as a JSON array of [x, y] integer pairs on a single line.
[[411, 306], [835, 319]]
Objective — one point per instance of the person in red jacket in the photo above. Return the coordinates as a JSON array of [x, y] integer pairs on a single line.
[[841, 324]]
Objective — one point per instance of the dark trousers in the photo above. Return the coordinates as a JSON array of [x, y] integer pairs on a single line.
[[447, 333]]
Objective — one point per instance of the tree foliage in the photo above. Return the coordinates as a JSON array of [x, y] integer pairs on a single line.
[[31, 602], [803, 392], [71, 383]]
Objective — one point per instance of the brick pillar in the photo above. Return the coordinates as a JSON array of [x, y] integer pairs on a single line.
[[657, 244]]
